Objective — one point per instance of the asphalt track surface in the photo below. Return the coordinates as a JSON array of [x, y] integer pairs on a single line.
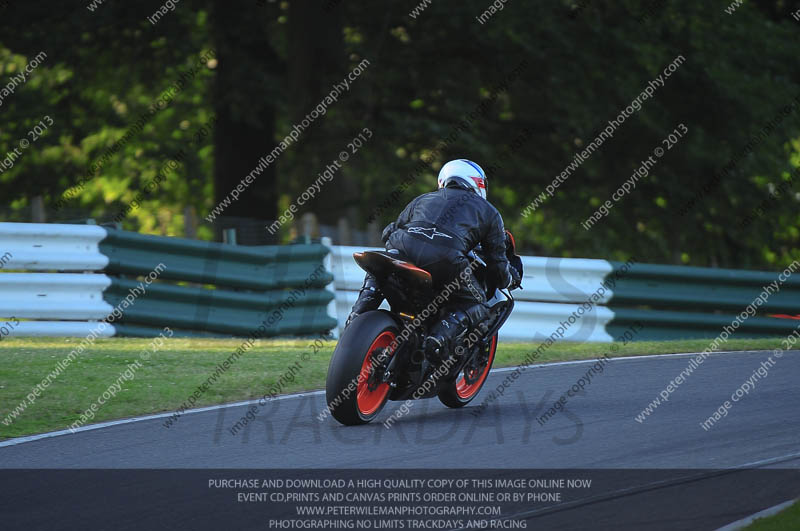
[[596, 430]]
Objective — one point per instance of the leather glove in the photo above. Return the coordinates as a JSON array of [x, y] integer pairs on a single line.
[[516, 278], [511, 247], [387, 231], [514, 262]]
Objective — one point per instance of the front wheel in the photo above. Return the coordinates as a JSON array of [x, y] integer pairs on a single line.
[[354, 390], [466, 386]]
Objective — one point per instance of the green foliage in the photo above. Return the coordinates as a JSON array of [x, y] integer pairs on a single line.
[[95, 93], [583, 64]]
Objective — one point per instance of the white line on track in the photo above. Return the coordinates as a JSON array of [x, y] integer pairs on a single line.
[[111, 423], [769, 461], [90, 427]]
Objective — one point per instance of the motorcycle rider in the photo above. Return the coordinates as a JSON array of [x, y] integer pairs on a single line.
[[435, 232]]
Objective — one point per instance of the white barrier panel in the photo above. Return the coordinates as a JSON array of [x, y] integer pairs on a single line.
[[59, 329], [333, 305], [346, 273], [67, 296], [63, 301], [49, 247], [544, 279], [562, 279], [547, 284], [527, 320], [535, 321]]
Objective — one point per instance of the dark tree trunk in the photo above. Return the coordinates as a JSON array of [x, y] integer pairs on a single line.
[[316, 54], [317, 61], [245, 105]]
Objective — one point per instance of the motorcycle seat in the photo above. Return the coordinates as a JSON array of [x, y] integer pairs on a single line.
[[382, 263]]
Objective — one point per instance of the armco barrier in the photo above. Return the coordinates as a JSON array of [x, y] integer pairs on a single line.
[[46, 247], [76, 274], [53, 304], [253, 267], [671, 302], [203, 288]]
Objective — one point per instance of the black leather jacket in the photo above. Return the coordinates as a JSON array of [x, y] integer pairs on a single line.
[[459, 219]]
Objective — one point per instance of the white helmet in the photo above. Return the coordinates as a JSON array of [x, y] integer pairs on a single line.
[[466, 172]]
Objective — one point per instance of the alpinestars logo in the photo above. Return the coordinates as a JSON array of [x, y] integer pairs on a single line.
[[429, 233]]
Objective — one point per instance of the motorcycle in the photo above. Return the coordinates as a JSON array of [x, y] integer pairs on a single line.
[[379, 356]]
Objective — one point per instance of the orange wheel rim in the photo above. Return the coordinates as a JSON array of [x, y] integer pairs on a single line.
[[465, 389], [370, 400]]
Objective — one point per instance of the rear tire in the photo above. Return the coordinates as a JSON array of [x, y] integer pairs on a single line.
[[459, 392], [347, 392]]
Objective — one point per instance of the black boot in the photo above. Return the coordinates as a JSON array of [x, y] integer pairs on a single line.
[[369, 298], [479, 318], [445, 335], [449, 333]]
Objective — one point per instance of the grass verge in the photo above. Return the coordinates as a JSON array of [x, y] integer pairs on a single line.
[[789, 518], [174, 372]]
